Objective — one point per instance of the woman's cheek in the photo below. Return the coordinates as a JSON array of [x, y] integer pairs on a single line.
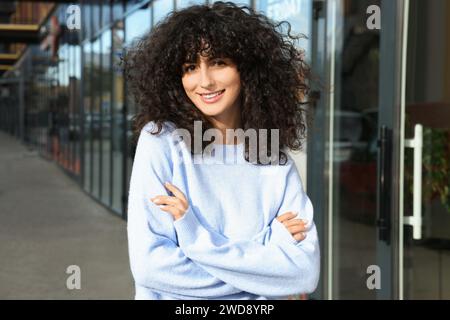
[[189, 85]]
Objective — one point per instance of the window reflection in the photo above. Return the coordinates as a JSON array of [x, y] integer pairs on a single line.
[[297, 12], [86, 25], [117, 9], [118, 122], [106, 14], [62, 149], [354, 152], [160, 10], [95, 116], [134, 3], [87, 116], [137, 24], [72, 107], [238, 2], [186, 3], [106, 117], [96, 17], [75, 93]]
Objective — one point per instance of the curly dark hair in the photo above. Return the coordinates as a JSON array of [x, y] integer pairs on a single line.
[[273, 73]]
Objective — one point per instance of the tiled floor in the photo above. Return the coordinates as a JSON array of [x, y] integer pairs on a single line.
[[48, 223]]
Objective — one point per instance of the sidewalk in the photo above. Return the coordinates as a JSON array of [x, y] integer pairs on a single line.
[[48, 223]]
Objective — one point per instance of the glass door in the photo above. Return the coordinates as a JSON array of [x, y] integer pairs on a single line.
[[357, 46], [425, 264]]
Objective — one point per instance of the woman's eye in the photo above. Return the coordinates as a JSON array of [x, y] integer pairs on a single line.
[[189, 68], [219, 62]]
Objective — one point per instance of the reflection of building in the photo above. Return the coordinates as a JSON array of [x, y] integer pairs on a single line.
[[76, 110], [20, 24]]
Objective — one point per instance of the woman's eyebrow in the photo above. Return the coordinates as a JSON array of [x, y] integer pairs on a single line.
[[208, 59], [219, 58]]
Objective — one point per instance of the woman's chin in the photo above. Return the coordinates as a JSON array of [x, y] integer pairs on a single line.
[[211, 110]]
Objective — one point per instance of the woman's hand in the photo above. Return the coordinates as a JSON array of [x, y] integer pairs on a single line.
[[176, 206], [296, 227]]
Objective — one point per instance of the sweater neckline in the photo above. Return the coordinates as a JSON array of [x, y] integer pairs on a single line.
[[228, 153]]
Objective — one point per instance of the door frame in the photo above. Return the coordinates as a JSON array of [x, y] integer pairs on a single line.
[[391, 114]]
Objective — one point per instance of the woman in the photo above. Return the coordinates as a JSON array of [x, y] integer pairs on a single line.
[[235, 230]]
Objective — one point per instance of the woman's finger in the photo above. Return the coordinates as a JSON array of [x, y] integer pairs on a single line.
[[167, 200], [296, 229], [286, 216], [175, 212], [300, 236], [293, 222], [176, 192]]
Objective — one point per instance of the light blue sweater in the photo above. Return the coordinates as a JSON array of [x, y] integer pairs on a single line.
[[228, 245]]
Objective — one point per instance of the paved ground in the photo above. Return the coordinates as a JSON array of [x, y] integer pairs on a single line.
[[48, 223]]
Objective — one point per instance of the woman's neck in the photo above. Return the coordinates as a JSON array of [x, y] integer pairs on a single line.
[[224, 124]]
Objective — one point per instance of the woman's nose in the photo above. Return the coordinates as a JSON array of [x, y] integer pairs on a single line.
[[206, 79]]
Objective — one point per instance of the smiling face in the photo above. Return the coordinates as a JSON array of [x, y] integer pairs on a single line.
[[213, 85]]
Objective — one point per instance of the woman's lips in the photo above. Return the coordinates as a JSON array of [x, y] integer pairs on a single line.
[[212, 97]]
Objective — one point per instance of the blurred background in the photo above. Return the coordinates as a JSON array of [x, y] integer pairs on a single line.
[[376, 166]]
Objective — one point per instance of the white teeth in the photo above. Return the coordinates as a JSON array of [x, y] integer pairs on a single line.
[[209, 96]]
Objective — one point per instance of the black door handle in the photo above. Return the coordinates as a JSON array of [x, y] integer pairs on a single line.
[[384, 184]]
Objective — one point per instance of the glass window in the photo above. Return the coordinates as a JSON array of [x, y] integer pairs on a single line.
[[135, 3], [86, 22], [118, 122], [61, 14], [87, 163], [297, 12], [77, 110], [95, 113], [160, 10], [71, 106], [356, 101], [238, 2], [118, 9], [63, 111], [186, 3], [59, 112], [96, 17], [65, 97], [137, 24], [106, 13], [106, 117]]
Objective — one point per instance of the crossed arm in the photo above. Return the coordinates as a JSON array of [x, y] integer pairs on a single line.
[[183, 258]]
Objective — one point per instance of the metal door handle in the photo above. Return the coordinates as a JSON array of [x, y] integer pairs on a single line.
[[384, 184], [416, 219]]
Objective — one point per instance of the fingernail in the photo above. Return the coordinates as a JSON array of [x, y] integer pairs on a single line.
[[305, 221]]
